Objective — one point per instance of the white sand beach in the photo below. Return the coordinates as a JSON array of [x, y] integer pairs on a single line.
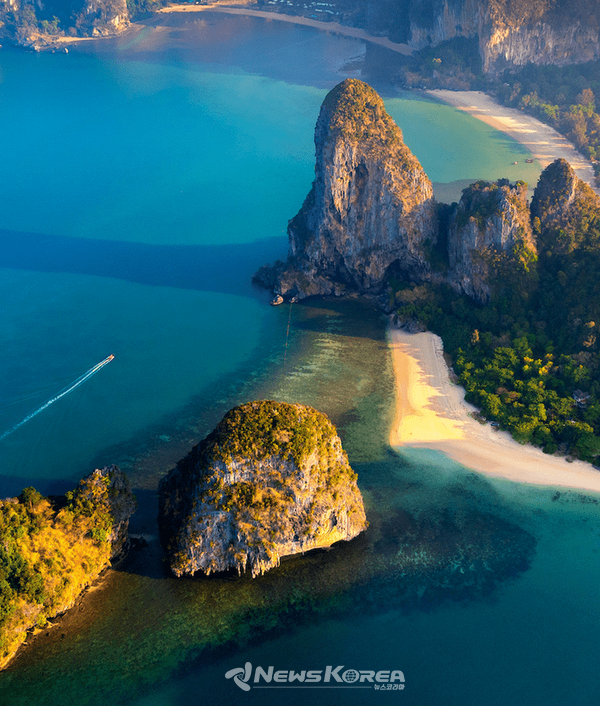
[[431, 413], [543, 141], [332, 27]]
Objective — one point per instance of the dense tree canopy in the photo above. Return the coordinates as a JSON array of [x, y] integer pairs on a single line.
[[530, 358]]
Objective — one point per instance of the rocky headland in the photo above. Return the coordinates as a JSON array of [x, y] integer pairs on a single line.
[[52, 549], [371, 216], [271, 480]]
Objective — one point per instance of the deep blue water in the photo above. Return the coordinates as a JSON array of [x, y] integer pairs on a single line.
[[143, 181]]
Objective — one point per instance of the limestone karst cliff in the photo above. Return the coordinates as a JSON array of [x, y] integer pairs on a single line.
[[371, 215], [370, 208], [271, 480], [51, 549], [491, 221], [511, 34]]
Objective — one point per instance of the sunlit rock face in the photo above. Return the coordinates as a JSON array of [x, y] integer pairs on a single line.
[[271, 480]]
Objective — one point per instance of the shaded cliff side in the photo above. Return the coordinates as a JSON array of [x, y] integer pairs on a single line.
[[489, 230], [51, 549], [271, 480], [511, 34], [370, 208]]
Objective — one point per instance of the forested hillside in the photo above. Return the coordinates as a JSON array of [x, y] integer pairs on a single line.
[[529, 358]]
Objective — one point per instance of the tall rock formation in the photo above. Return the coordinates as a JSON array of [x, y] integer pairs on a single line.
[[510, 33], [370, 208], [491, 223], [271, 480]]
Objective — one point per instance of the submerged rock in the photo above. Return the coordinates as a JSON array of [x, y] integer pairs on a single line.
[[271, 480], [370, 208]]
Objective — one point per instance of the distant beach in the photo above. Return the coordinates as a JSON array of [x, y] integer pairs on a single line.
[[332, 27], [543, 141], [431, 413]]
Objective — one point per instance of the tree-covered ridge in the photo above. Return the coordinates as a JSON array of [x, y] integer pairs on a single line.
[[52, 548], [530, 358]]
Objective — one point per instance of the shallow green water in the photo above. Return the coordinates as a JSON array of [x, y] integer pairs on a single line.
[[143, 183]]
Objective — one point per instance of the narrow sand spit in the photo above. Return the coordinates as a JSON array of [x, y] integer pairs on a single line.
[[543, 141], [332, 27], [431, 413]]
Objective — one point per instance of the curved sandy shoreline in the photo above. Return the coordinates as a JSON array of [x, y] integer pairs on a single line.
[[543, 141], [431, 413], [332, 27]]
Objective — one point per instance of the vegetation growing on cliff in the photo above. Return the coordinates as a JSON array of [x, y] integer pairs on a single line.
[[529, 359], [50, 550], [357, 111], [271, 480]]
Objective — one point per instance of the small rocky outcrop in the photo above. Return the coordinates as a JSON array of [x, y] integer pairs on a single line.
[[563, 207], [490, 223], [370, 208], [271, 480]]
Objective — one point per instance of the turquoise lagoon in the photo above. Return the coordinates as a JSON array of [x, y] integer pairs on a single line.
[[144, 180]]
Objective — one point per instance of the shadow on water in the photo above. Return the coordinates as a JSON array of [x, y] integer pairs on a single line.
[[11, 486], [214, 268]]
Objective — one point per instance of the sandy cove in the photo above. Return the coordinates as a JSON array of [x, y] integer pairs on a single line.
[[332, 27], [543, 141], [431, 413]]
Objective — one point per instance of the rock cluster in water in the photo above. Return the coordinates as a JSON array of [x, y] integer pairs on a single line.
[[271, 480]]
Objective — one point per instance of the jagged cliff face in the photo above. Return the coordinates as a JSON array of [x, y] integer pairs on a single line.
[[371, 205], [510, 34], [491, 221], [109, 487], [272, 480]]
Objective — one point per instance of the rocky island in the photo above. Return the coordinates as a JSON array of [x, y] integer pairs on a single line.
[[271, 480], [52, 549]]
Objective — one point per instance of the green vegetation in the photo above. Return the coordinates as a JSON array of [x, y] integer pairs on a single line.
[[530, 358], [455, 64], [562, 96], [358, 112], [50, 550], [258, 430]]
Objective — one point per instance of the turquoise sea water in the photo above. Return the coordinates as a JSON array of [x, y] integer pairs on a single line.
[[143, 181]]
